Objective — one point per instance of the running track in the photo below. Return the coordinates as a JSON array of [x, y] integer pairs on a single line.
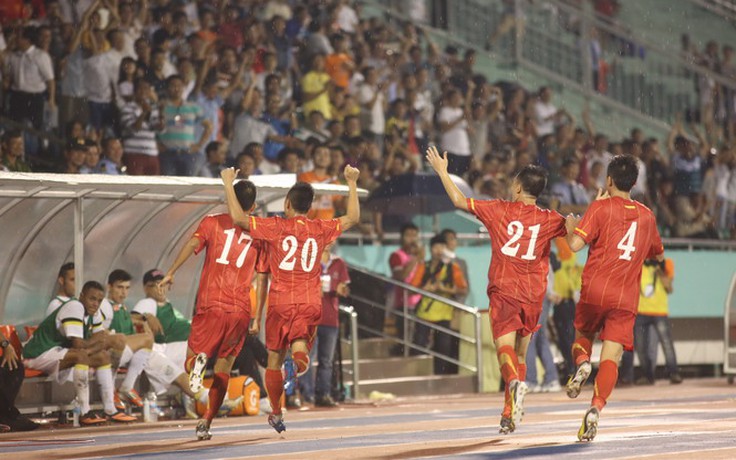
[[695, 420]]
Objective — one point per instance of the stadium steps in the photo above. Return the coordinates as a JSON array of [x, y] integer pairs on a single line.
[[401, 376]]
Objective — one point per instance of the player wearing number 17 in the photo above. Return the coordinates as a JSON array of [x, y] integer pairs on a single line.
[[222, 316], [520, 234], [622, 233], [295, 245]]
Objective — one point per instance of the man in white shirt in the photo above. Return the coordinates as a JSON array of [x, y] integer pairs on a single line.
[[545, 112], [454, 128], [372, 106], [347, 18], [31, 75]]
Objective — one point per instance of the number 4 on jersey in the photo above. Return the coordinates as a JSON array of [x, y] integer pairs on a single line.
[[627, 243]]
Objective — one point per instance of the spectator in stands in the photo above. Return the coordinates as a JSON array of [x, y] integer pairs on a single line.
[[66, 288], [13, 151], [91, 159], [547, 115], [323, 206], [75, 155], [444, 279], [30, 77], [689, 166], [316, 86], [725, 172], [288, 160], [567, 283], [141, 121], [12, 373], [403, 264], [246, 164], [569, 195], [450, 255], [180, 156], [339, 65], [283, 126], [216, 153], [452, 118], [652, 321], [316, 385], [372, 99], [112, 157]]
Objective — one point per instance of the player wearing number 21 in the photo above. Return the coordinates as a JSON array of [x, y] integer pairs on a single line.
[[621, 233], [295, 244], [520, 234], [222, 315]]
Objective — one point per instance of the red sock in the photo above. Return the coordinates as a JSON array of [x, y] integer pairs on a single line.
[[507, 397], [217, 393], [581, 350], [522, 372], [274, 388], [189, 363], [604, 383], [509, 363], [301, 359]]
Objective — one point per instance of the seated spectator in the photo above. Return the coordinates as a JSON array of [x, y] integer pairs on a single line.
[[75, 155], [445, 280], [63, 348], [12, 373], [245, 163], [323, 206], [316, 126], [13, 152], [216, 153], [288, 160], [112, 157], [283, 127], [92, 159]]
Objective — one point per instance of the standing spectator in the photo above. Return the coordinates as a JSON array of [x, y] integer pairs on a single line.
[[445, 280], [339, 65], [725, 177], [569, 195], [316, 85], [539, 344], [347, 18], [656, 286], [180, 155], [281, 124], [403, 263], [373, 106], [323, 206], [100, 72], [335, 280], [249, 127], [12, 152], [450, 237], [453, 122], [546, 114], [567, 284], [30, 74], [141, 120], [112, 157], [72, 102]]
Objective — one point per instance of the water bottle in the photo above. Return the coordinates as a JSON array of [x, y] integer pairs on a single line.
[[76, 412], [153, 406], [146, 410]]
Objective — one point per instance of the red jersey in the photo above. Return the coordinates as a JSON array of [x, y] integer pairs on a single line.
[[294, 254], [231, 258], [621, 234], [520, 242]]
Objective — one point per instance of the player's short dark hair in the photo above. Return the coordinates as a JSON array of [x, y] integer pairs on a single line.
[[89, 285], [65, 268], [118, 275], [408, 226], [437, 239], [245, 191], [301, 196], [623, 171], [533, 179]]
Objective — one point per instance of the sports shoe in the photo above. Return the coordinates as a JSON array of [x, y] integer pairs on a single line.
[[189, 406], [264, 406], [91, 419], [119, 404], [576, 382], [131, 396], [676, 378], [517, 391], [325, 401], [277, 422], [589, 428], [196, 375], [228, 405], [552, 387], [507, 425], [203, 431], [121, 417], [293, 402]]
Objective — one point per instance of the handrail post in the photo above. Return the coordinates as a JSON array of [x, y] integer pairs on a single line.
[[479, 351], [518, 34], [405, 322], [354, 352]]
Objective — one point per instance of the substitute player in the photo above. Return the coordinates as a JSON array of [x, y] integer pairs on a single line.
[[222, 317], [521, 234], [295, 245], [622, 233]]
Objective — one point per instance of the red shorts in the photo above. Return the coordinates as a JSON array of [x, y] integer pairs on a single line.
[[509, 315], [614, 324], [287, 323], [220, 333]]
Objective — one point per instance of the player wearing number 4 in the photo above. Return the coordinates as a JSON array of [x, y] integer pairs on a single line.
[[622, 233], [520, 235], [295, 246], [221, 320]]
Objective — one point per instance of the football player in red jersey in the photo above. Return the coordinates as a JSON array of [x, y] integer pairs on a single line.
[[521, 233], [622, 234], [221, 320], [295, 244]]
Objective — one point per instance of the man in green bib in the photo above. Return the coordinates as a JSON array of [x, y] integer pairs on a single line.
[[68, 343]]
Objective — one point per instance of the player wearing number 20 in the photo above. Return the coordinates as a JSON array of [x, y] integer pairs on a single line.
[[295, 245], [222, 316], [621, 233], [520, 234]]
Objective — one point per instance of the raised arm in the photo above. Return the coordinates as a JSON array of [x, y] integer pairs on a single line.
[[240, 218], [185, 253], [352, 217], [439, 163]]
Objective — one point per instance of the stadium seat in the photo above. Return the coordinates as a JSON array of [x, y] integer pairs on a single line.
[[29, 331]]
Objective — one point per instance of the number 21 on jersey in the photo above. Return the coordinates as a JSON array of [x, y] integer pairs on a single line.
[[516, 230]]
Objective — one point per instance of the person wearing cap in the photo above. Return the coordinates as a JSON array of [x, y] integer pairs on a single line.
[[75, 155], [170, 328]]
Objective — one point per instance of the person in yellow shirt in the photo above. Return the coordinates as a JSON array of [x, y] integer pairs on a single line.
[[567, 282], [653, 323], [316, 86]]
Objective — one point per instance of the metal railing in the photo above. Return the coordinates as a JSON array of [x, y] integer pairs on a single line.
[[404, 312], [354, 372]]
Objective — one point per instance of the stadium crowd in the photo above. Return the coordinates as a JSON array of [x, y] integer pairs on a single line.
[[187, 88]]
